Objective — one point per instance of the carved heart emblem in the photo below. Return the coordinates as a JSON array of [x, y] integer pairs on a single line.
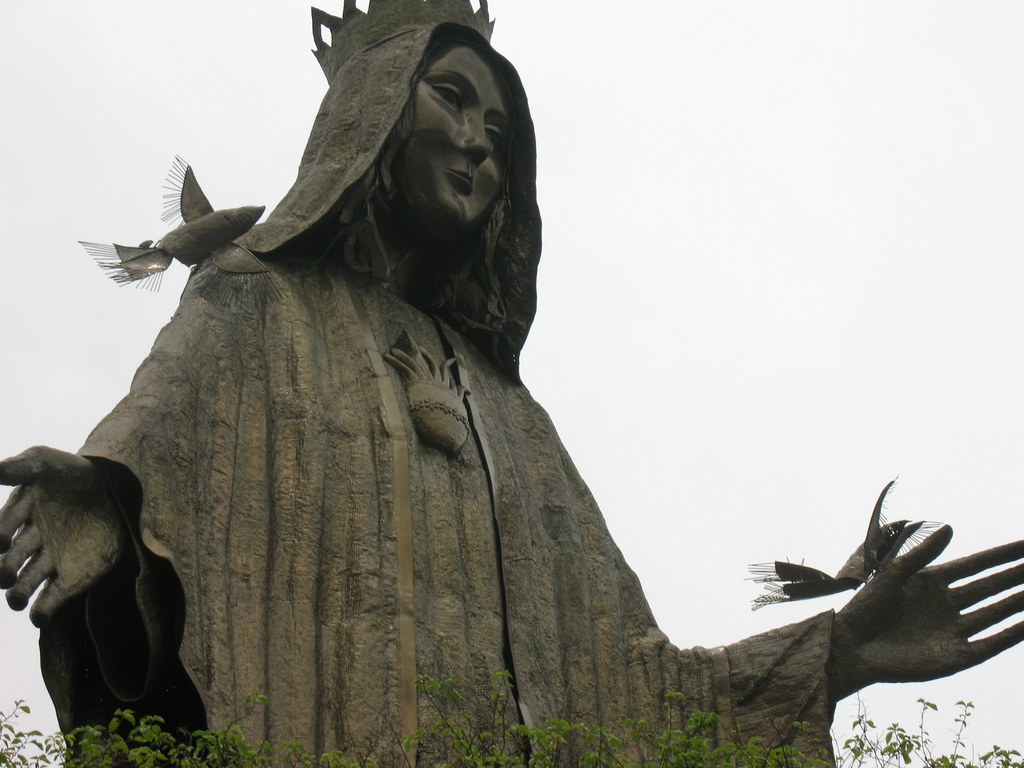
[[435, 400]]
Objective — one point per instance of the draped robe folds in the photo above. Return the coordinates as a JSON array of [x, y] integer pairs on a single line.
[[275, 471], [260, 439]]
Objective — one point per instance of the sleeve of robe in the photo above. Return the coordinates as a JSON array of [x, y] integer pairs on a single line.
[[777, 679]]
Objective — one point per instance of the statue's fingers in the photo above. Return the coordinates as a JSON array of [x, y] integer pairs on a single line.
[[13, 515], [52, 597], [980, 589], [25, 545], [990, 615], [921, 555], [963, 567], [42, 463], [39, 569], [23, 468], [987, 647], [11, 470]]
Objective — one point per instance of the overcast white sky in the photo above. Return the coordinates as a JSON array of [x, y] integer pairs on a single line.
[[782, 265]]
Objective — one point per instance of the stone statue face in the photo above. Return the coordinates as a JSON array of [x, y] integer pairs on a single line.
[[451, 168]]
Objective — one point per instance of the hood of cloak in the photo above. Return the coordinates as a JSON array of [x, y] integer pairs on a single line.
[[364, 102]]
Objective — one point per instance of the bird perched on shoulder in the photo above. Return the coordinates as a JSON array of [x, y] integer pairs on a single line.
[[884, 541], [204, 232]]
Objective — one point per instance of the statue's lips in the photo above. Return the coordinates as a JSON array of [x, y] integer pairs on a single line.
[[461, 180]]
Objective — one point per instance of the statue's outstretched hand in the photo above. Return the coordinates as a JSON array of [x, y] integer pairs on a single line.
[[59, 526], [908, 624]]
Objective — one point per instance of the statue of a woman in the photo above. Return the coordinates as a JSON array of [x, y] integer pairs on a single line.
[[328, 479]]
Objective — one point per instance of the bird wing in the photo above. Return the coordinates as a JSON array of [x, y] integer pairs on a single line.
[[816, 584], [911, 535], [805, 590], [799, 572], [794, 581], [235, 258], [874, 540], [184, 198]]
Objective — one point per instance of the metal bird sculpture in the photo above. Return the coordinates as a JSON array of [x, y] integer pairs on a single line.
[[203, 232], [786, 581]]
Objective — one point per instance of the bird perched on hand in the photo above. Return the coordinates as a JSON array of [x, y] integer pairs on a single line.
[[204, 232], [791, 581]]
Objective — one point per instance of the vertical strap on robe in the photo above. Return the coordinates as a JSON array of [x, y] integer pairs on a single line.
[[403, 524], [723, 693], [454, 341]]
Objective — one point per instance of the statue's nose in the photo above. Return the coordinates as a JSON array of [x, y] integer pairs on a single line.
[[473, 140]]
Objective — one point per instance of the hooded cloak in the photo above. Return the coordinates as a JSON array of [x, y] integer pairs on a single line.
[[269, 468]]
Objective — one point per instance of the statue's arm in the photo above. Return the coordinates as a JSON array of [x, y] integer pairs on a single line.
[[60, 530], [774, 686]]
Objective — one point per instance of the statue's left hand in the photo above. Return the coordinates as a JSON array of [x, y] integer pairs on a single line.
[[908, 624], [60, 531]]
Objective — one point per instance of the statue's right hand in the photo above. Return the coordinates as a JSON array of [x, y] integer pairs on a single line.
[[59, 527]]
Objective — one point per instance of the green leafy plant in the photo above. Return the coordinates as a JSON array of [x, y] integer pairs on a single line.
[[453, 737], [456, 740], [29, 749], [895, 746]]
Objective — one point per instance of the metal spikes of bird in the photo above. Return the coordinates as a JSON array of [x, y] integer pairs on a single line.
[[785, 581], [204, 232]]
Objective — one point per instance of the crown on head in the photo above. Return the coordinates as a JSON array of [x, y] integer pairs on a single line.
[[357, 31]]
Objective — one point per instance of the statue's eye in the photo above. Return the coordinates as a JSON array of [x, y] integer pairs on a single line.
[[450, 94], [496, 138]]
